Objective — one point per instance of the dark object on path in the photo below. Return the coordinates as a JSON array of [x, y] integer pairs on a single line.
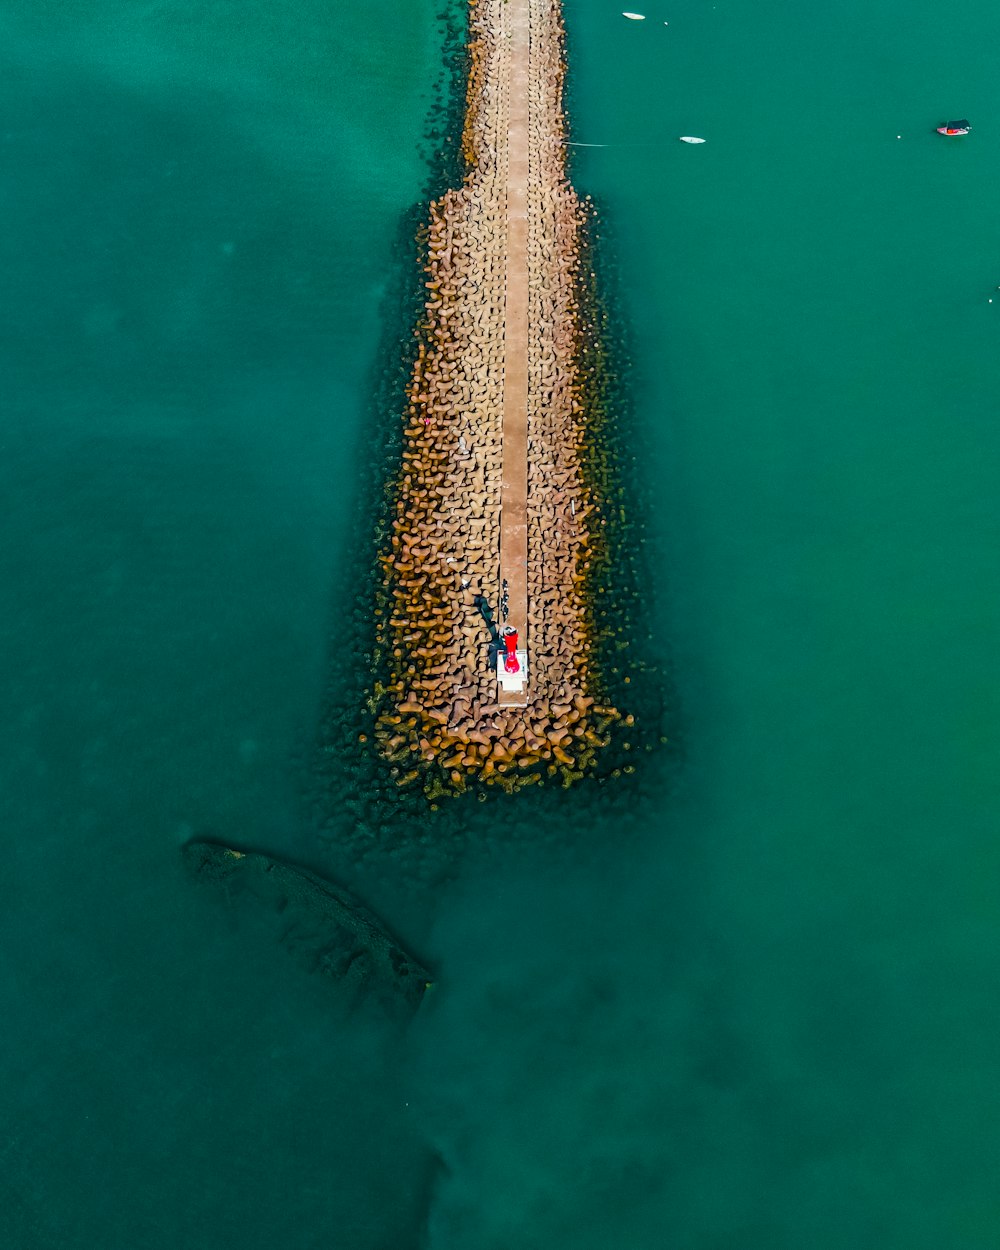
[[333, 932]]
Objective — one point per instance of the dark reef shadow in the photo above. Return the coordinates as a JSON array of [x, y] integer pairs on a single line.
[[640, 597]]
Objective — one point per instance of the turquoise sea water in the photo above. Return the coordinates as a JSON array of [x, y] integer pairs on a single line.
[[748, 1002]]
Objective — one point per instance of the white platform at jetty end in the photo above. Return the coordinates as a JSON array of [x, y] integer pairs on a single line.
[[513, 684]]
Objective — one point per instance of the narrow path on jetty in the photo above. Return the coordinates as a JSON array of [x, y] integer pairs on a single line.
[[514, 467], [491, 515]]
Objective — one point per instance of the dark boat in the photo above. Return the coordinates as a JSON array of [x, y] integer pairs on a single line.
[[961, 127]]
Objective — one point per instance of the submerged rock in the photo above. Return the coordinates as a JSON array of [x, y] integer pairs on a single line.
[[328, 928]]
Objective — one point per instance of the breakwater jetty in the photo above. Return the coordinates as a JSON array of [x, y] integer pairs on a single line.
[[484, 659]]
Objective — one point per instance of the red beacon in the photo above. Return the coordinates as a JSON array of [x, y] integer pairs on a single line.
[[510, 661]]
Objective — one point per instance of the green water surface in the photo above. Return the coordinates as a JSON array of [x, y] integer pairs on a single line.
[[745, 1003]]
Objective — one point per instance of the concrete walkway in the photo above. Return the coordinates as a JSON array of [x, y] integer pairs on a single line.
[[514, 489]]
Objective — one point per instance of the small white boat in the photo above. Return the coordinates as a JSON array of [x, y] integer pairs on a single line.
[[955, 128], [635, 17], [691, 139]]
